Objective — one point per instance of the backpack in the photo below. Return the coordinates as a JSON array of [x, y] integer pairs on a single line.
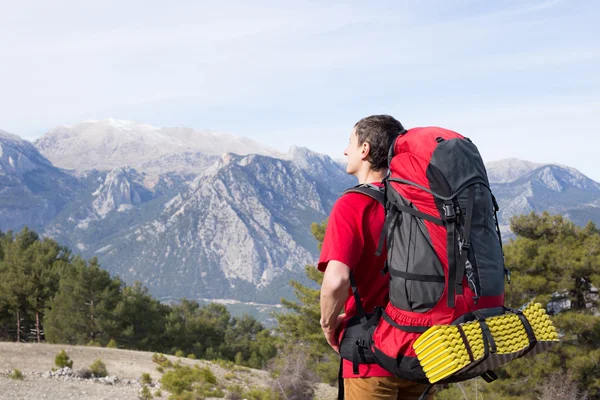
[[444, 260]]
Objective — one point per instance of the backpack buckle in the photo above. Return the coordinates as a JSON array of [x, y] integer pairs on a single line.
[[449, 213]]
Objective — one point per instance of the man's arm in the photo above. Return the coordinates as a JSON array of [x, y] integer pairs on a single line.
[[334, 292]]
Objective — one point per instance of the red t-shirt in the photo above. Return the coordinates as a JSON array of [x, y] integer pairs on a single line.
[[352, 236]]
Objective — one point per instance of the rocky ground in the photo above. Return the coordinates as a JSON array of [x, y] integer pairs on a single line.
[[125, 368]]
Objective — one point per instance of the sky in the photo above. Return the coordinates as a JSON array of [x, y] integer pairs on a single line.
[[521, 78]]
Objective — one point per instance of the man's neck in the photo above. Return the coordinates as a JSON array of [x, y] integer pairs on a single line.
[[370, 176]]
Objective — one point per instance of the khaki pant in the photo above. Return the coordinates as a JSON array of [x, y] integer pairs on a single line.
[[384, 388]]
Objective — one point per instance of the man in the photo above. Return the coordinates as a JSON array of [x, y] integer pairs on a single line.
[[350, 242]]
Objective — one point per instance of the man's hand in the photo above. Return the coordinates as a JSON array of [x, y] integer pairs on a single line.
[[331, 333]]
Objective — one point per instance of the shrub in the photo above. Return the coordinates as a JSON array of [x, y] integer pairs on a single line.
[[225, 364], [112, 344], [162, 360], [263, 394], [145, 394], [98, 368], [179, 353], [234, 392], [294, 380], [229, 376], [94, 343], [16, 374], [185, 379], [146, 379], [158, 393], [239, 358], [191, 356], [160, 369], [62, 360]]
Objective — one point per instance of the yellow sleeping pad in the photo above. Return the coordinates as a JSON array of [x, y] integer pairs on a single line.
[[443, 350]]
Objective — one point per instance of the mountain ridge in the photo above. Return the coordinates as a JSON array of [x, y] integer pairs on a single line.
[[239, 226]]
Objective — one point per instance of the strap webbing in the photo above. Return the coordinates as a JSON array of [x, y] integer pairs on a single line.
[[419, 214], [405, 328], [360, 311], [496, 209], [489, 376], [488, 339], [370, 190], [426, 392], [341, 381], [417, 277], [530, 333], [450, 243], [389, 219], [464, 251], [466, 342]]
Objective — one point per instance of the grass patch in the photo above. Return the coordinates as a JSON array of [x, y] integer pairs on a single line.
[[17, 375]]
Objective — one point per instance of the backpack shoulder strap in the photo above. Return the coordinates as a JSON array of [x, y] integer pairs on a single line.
[[370, 190]]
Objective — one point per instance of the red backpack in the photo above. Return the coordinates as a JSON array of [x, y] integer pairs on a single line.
[[444, 251]]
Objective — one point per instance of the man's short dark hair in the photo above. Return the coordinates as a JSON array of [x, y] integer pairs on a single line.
[[379, 131]]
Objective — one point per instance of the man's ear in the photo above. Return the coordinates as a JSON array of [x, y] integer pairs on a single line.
[[365, 150]]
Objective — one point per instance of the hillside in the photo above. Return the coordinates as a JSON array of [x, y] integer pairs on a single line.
[[35, 359]]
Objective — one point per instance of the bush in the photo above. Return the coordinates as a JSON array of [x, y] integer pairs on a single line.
[[16, 374], [294, 379], [225, 364], [184, 379], [94, 343], [234, 392], [158, 393], [145, 394], [263, 394], [112, 344], [162, 360], [98, 368], [229, 376], [179, 353], [191, 356], [239, 358], [146, 379], [62, 360], [160, 369]]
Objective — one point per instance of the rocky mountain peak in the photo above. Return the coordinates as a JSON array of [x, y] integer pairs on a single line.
[[110, 143], [18, 156], [558, 178], [121, 189], [509, 170]]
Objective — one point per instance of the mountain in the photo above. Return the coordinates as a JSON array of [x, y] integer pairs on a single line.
[[242, 225], [103, 145], [534, 187], [32, 190], [508, 170], [187, 221]]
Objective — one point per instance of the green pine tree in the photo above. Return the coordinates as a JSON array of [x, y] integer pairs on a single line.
[[139, 319], [83, 309]]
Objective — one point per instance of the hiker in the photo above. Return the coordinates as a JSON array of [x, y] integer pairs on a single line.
[[351, 240]]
